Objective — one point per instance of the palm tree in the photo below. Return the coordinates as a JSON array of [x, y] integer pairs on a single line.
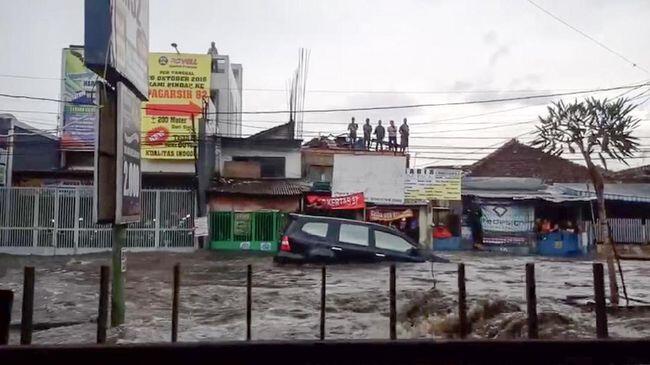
[[596, 129]]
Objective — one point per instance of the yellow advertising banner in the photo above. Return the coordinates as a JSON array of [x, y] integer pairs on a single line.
[[178, 85], [436, 184]]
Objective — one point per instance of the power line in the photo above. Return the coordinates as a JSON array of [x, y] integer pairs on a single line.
[[334, 110], [599, 43]]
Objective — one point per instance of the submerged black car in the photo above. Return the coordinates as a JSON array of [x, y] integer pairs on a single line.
[[324, 239]]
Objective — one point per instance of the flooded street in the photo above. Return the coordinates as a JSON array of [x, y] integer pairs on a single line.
[[286, 299]]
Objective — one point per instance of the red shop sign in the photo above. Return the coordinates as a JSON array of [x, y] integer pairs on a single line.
[[346, 202]]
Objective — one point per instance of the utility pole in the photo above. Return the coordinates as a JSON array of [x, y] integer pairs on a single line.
[[117, 292]]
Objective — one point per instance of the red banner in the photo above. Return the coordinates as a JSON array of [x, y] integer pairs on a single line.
[[346, 202], [378, 215]]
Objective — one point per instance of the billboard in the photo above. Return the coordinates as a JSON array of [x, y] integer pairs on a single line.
[[438, 184], [127, 181], [116, 41], [78, 86], [507, 218], [178, 86], [379, 178]]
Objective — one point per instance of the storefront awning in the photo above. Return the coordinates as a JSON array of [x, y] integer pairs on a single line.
[[518, 189]]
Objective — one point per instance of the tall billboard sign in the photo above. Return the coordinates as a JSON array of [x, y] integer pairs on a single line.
[[179, 85], [127, 181], [79, 112], [117, 41]]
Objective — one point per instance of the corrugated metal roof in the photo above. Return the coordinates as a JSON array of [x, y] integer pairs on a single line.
[[516, 189], [621, 192], [259, 187]]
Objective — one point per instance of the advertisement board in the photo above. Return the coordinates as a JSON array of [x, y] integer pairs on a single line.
[[430, 184], [507, 218], [78, 87], [116, 40], [178, 86], [128, 156], [347, 202], [379, 178]]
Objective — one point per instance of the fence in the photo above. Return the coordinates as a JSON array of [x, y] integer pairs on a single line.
[[256, 231], [624, 230], [51, 221], [530, 350]]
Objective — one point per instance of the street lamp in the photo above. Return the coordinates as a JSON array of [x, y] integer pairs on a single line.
[[175, 46]]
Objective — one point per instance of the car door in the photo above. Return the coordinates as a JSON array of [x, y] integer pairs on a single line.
[[353, 243], [311, 240], [393, 247]]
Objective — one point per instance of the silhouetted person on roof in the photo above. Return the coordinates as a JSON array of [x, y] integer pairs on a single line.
[[367, 132], [380, 132], [352, 129], [404, 136]]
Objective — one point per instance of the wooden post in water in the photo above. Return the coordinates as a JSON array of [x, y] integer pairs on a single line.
[[26, 320], [102, 312], [6, 302], [599, 298], [249, 299], [322, 302], [175, 293], [462, 304], [531, 299], [393, 308]]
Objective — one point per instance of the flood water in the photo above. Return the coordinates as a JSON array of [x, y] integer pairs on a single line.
[[286, 299]]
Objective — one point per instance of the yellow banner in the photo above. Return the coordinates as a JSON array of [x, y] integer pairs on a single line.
[[438, 184], [178, 84]]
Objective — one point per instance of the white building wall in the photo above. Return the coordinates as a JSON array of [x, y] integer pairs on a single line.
[[292, 168], [226, 86]]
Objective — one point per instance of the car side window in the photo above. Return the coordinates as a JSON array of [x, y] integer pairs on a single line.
[[353, 234], [388, 241], [318, 229]]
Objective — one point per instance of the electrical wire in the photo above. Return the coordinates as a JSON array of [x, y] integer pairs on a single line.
[[599, 43]]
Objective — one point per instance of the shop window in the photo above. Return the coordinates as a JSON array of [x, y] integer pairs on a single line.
[[315, 229], [269, 166], [319, 173], [353, 234], [391, 242]]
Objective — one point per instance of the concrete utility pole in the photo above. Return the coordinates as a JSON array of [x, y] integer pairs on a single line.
[[117, 293]]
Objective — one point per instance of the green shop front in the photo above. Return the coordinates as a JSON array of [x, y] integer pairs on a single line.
[[249, 215]]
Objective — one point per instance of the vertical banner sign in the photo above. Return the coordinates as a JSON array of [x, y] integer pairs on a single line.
[[178, 85], [80, 113], [128, 156]]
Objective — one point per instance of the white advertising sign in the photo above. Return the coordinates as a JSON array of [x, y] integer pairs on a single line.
[[507, 218], [379, 178], [201, 226]]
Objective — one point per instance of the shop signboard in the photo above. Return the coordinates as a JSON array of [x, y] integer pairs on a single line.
[[346, 202], [507, 218], [378, 215], [432, 184]]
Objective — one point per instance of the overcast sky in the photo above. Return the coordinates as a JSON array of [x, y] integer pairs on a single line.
[[368, 53]]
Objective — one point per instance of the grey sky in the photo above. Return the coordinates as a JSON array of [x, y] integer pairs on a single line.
[[405, 46]]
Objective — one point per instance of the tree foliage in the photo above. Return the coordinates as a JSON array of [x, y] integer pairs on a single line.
[[591, 127]]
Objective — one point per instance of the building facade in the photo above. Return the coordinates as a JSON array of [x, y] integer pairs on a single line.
[[226, 94]]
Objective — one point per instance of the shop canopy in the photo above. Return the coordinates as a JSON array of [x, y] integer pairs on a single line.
[[518, 189], [620, 192]]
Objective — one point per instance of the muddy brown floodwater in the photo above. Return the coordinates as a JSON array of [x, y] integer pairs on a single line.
[[286, 298]]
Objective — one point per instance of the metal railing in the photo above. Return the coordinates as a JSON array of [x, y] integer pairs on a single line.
[[60, 221]]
